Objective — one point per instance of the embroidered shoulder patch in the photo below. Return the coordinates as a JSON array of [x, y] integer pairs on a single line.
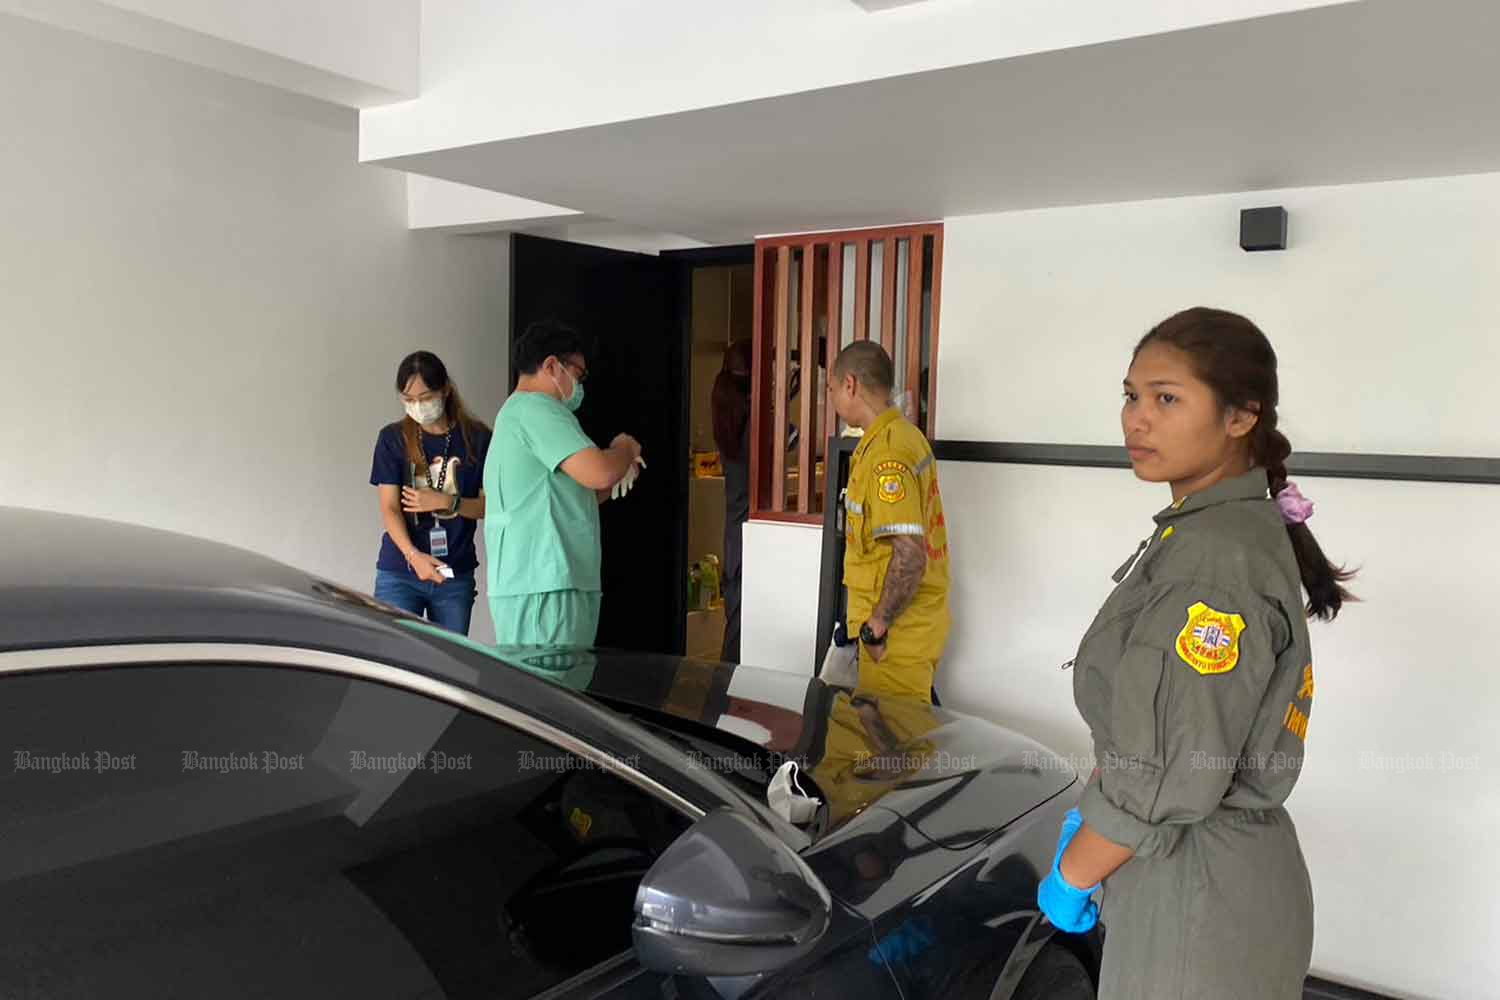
[[1210, 641], [890, 482]]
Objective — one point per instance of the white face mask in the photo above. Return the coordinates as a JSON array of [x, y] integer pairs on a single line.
[[787, 799], [425, 413]]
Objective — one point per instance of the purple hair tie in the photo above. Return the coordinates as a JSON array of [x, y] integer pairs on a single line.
[[1295, 508]]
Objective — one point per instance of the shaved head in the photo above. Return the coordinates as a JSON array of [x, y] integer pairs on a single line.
[[869, 364]]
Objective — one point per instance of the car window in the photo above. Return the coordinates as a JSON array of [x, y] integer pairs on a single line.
[[745, 767], [233, 831]]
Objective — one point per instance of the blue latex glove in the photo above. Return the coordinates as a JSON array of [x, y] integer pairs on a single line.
[[1067, 906], [1072, 823]]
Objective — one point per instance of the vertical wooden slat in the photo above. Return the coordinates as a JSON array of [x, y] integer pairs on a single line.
[[932, 369], [779, 380], [862, 290], [809, 389], [834, 340], [914, 357], [888, 296], [758, 481], [776, 337]]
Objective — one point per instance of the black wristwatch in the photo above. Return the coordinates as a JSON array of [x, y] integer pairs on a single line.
[[869, 638]]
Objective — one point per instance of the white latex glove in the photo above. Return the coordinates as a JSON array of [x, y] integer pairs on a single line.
[[841, 666], [623, 486]]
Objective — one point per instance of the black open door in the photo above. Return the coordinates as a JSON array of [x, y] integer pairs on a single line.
[[628, 303]]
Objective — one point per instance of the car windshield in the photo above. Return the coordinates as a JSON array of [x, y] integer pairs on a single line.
[[567, 668], [747, 766]]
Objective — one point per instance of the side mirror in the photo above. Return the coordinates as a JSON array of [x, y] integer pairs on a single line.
[[728, 898]]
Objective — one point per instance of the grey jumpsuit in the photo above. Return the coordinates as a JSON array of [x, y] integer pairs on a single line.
[[1196, 681]]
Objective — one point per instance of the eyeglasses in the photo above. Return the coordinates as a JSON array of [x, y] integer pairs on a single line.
[[577, 371]]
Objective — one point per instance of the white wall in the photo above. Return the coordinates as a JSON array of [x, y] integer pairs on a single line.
[[779, 610], [1383, 312], [675, 55], [203, 299]]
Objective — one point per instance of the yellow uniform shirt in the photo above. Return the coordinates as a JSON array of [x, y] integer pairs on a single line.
[[893, 491]]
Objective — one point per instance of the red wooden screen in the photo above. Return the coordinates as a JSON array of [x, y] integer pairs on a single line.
[[814, 294]]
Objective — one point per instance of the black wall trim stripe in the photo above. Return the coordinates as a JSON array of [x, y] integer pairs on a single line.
[[1331, 464], [1321, 989]]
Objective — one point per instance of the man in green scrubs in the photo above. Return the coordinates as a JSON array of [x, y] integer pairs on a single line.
[[543, 483]]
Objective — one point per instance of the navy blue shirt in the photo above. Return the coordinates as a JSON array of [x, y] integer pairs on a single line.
[[465, 475]]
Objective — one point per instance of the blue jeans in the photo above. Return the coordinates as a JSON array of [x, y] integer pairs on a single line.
[[449, 604]]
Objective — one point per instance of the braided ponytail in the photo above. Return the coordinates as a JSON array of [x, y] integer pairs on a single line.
[[1322, 580], [1236, 360]]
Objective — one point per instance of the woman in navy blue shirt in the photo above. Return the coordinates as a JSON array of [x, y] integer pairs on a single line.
[[429, 467]]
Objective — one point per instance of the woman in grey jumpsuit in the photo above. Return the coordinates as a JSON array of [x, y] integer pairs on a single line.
[[1196, 681]]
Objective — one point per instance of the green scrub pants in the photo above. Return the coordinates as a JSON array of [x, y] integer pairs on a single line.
[[556, 618]]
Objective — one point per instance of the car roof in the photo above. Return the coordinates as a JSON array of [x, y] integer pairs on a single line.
[[70, 580], [73, 581]]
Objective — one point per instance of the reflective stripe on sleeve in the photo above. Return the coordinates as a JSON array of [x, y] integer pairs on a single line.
[[900, 529]]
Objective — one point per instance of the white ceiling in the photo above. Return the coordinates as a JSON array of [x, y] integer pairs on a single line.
[[1359, 92]]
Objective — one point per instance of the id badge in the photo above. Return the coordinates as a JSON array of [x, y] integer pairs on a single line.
[[438, 541]]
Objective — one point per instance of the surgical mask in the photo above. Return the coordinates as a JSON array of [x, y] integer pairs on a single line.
[[574, 401], [787, 799], [427, 412]]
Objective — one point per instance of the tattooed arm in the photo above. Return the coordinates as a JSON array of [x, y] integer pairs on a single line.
[[908, 563]]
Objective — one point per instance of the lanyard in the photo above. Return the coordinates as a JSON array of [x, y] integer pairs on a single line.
[[442, 480]]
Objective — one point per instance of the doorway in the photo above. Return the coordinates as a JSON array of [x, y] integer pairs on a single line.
[[639, 310], [722, 306]]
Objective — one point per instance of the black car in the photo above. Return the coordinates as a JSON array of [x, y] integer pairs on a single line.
[[223, 777]]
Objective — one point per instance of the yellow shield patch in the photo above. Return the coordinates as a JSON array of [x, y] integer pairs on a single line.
[[890, 486], [1210, 641]]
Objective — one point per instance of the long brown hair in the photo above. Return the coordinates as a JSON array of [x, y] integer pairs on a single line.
[[435, 374], [731, 401], [1231, 355]]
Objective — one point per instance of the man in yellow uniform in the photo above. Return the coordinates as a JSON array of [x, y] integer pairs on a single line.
[[896, 549]]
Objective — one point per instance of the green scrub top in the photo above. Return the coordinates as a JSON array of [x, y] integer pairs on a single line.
[[541, 528]]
